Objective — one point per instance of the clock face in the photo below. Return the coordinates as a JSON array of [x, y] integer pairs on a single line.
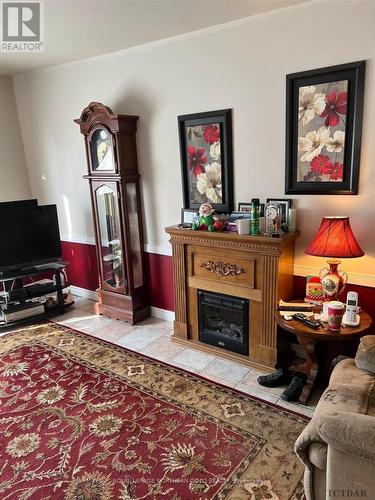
[[273, 218], [101, 150], [271, 212]]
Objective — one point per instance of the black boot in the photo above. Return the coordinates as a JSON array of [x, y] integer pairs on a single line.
[[294, 389], [279, 377]]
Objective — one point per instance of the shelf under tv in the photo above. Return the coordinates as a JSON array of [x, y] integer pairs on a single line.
[[47, 315], [14, 274], [18, 274]]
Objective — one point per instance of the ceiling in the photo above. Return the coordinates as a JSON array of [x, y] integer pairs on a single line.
[[77, 29]]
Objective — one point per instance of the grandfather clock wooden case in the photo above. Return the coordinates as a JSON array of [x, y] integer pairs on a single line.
[[113, 177]]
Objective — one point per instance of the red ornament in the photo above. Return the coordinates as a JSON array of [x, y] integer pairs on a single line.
[[218, 225]]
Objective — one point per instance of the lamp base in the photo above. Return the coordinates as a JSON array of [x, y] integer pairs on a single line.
[[332, 280]]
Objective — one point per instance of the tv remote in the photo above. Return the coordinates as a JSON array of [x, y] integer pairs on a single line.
[[312, 323], [297, 307]]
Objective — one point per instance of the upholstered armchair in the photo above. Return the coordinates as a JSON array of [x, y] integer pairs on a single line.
[[338, 445]]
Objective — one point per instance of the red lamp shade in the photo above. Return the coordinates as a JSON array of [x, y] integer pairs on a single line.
[[335, 239]]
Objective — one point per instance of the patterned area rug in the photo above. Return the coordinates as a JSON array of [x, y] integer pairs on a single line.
[[84, 419]]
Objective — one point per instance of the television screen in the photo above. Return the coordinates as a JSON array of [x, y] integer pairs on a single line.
[[29, 235], [18, 203]]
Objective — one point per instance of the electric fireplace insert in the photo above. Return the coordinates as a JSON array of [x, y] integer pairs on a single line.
[[224, 321]]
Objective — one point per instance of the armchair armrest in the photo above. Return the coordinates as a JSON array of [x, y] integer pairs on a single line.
[[308, 436], [351, 433]]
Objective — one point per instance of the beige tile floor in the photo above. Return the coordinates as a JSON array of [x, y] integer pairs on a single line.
[[152, 337]]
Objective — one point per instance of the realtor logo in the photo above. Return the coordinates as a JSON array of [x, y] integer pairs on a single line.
[[22, 26]]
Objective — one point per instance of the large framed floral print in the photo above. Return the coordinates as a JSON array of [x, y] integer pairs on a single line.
[[323, 129], [206, 159]]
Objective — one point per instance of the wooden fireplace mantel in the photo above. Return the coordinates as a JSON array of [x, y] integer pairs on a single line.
[[256, 268]]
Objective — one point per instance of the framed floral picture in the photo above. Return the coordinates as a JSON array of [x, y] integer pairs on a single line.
[[206, 159], [323, 129]]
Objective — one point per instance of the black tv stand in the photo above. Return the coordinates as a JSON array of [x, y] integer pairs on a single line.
[[9, 275], [23, 272], [15, 275]]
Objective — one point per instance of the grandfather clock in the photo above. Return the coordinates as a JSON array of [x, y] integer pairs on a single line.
[[113, 177]]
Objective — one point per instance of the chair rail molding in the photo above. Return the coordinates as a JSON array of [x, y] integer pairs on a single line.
[[359, 279]]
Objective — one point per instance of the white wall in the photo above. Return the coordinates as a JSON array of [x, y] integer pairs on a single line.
[[239, 65], [14, 179]]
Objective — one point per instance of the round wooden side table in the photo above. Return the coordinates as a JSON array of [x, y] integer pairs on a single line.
[[308, 338]]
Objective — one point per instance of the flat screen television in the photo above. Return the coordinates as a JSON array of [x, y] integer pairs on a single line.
[[29, 235], [18, 203]]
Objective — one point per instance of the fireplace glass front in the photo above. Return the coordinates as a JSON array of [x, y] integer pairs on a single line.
[[223, 321]]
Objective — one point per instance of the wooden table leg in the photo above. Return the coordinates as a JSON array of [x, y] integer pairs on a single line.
[[309, 367]]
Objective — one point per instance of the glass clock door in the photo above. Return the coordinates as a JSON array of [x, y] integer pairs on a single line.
[[112, 265], [101, 151]]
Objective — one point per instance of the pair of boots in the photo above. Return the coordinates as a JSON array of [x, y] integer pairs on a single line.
[[294, 381]]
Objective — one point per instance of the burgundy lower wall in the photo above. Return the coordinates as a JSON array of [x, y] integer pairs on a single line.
[[83, 268], [160, 280], [83, 272]]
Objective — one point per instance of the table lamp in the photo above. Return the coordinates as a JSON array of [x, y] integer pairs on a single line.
[[334, 239]]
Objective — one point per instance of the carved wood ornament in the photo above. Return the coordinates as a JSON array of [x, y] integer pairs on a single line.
[[222, 268]]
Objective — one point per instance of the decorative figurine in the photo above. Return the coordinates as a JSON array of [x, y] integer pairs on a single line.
[[207, 221]]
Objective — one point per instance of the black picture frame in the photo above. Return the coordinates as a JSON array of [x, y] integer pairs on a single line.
[[354, 73], [238, 215], [245, 207], [286, 204], [224, 119]]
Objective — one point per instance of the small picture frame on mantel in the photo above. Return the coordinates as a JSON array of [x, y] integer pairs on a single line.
[[188, 215], [246, 207]]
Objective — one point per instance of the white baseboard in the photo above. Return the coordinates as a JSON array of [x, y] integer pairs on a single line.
[[162, 314], [156, 312], [83, 292]]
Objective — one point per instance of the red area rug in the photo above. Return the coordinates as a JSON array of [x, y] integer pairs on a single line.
[[84, 419]]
